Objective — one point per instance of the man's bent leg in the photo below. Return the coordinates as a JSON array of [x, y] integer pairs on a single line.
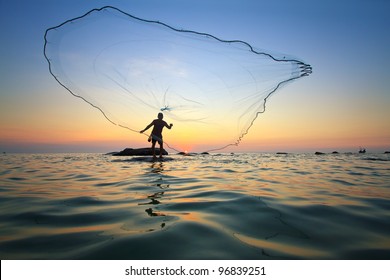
[[153, 149]]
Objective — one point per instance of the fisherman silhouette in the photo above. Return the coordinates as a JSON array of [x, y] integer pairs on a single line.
[[156, 135]]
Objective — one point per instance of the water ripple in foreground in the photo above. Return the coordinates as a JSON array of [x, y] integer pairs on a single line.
[[222, 206]]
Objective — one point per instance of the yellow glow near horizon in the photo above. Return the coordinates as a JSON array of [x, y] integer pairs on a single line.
[[62, 119], [270, 132]]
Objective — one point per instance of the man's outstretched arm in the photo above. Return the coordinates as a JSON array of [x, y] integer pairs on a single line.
[[169, 126], [146, 128]]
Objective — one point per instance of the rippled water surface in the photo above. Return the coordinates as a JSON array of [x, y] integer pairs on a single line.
[[241, 206]]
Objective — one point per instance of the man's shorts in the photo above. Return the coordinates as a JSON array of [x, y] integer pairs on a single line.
[[156, 138]]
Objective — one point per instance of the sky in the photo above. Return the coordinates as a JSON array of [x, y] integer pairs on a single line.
[[342, 105]]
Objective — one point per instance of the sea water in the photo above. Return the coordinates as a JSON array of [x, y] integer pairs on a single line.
[[217, 206]]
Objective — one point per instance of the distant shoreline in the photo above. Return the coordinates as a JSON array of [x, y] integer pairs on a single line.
[[199, 153]]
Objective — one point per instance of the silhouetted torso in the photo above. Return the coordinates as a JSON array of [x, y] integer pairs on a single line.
[[158, 126]]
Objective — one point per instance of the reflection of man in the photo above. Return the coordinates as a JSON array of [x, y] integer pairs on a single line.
[[158, 125]]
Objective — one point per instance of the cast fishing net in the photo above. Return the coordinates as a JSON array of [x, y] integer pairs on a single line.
[[130, 69]]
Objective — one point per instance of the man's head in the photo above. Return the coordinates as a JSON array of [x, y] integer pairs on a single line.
[[160, 116]]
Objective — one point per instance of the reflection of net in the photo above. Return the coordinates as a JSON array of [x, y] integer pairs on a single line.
[[130, 68]]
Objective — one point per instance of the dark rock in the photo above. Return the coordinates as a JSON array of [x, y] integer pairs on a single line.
[[387, 152], [335, 152], [282, 153], [139, 152], [110, 153], [319, 153], [189, 154], [205, 153]]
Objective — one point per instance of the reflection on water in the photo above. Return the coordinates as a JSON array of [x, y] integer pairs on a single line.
[[155, 198], [242, 206]]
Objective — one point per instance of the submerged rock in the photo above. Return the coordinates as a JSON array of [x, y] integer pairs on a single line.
[[138, 152], [186, 154]]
